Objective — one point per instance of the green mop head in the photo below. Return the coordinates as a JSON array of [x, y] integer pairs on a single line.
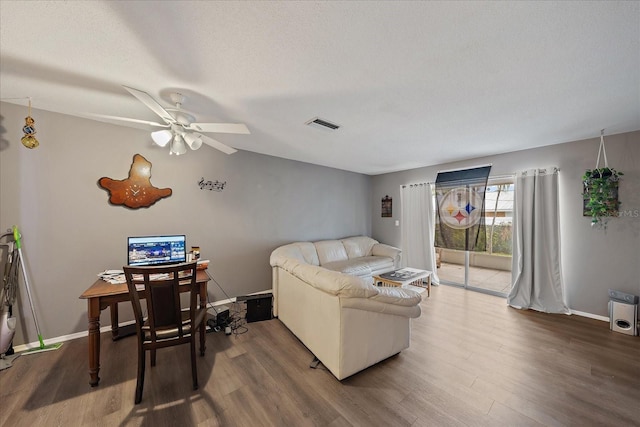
[[42, 347]]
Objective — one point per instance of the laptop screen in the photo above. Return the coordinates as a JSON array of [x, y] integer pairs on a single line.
[[156, 250]]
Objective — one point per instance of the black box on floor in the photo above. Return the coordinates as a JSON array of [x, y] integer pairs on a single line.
[[258, 307], [218, 316], [222, 317]]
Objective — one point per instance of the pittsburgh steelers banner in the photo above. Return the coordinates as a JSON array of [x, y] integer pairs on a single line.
[[460, 209]]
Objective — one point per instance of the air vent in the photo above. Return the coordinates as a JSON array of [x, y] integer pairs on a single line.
[[322, 124]]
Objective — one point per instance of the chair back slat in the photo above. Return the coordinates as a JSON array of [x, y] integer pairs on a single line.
[[164, 309], [160, 287]]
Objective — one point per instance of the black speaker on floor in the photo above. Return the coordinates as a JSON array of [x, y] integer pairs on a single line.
[[258, 307]]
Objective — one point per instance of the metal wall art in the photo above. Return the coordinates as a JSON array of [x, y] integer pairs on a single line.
[[211, 185]]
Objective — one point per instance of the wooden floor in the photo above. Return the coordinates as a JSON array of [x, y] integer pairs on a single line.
[[472, 361]]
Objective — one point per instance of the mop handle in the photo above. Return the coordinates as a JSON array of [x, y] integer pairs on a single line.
[[16, 237]]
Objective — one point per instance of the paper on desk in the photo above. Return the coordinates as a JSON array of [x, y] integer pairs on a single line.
[[116, 277]]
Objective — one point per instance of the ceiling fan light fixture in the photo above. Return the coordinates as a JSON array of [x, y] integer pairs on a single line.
[[161, 137], [178, 125], [178, 146], [193, 141]]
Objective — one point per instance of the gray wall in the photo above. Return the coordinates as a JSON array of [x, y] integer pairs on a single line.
[[593, 260], [71, 233]]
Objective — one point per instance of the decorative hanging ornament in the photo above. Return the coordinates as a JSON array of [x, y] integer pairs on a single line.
[[29, 140]]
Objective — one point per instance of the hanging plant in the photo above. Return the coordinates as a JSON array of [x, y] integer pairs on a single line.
[[601, 194], [600, 191]]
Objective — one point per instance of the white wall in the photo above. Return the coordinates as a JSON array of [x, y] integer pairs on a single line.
[[593, 260], [71, 233]]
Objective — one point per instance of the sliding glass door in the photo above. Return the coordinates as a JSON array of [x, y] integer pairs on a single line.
[[488, 271]]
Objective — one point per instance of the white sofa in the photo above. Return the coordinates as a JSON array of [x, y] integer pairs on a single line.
[[324, 293]]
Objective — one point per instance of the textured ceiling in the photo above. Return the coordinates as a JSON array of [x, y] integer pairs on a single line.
[[411, 83]]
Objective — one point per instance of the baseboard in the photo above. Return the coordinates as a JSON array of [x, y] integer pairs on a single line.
[[63, 338], [221, 302], [233, 299], [589, 315]]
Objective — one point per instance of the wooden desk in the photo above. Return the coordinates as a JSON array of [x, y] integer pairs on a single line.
[[102, 295]]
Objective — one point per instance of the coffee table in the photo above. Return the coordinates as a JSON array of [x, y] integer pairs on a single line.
[[405, 276]]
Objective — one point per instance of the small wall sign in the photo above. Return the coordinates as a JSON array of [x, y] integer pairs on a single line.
[[387, 207]]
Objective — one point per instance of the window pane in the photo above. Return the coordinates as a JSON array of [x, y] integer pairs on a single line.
[[489, 271]]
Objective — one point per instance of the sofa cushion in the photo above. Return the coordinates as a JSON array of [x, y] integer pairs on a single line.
[[355, 267], [358, 246], [309, 252], [330, 251], [381, 249], [331, 282], [363, 266], [302, 251], [378, 263]]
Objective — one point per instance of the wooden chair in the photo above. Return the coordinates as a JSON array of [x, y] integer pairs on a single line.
[[167, 323]]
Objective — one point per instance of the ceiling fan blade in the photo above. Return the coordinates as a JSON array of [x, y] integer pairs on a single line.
[[217, 144], [147, 100], [220, 127], [125, 119]]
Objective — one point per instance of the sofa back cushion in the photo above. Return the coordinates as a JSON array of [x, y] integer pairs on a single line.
[[359, 246], [331, 282], [302, 251], [330, 251]]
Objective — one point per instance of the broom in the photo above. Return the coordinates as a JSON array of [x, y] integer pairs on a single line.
[[43, 347]]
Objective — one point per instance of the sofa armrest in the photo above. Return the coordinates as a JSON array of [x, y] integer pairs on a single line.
[[370, 304], [302, 251], [397, 296], [380, 249], [389, 300]]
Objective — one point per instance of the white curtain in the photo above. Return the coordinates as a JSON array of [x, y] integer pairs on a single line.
[[536, 270], [418, 228]]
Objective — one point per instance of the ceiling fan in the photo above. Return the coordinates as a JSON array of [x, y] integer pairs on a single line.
[[181, 129]]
